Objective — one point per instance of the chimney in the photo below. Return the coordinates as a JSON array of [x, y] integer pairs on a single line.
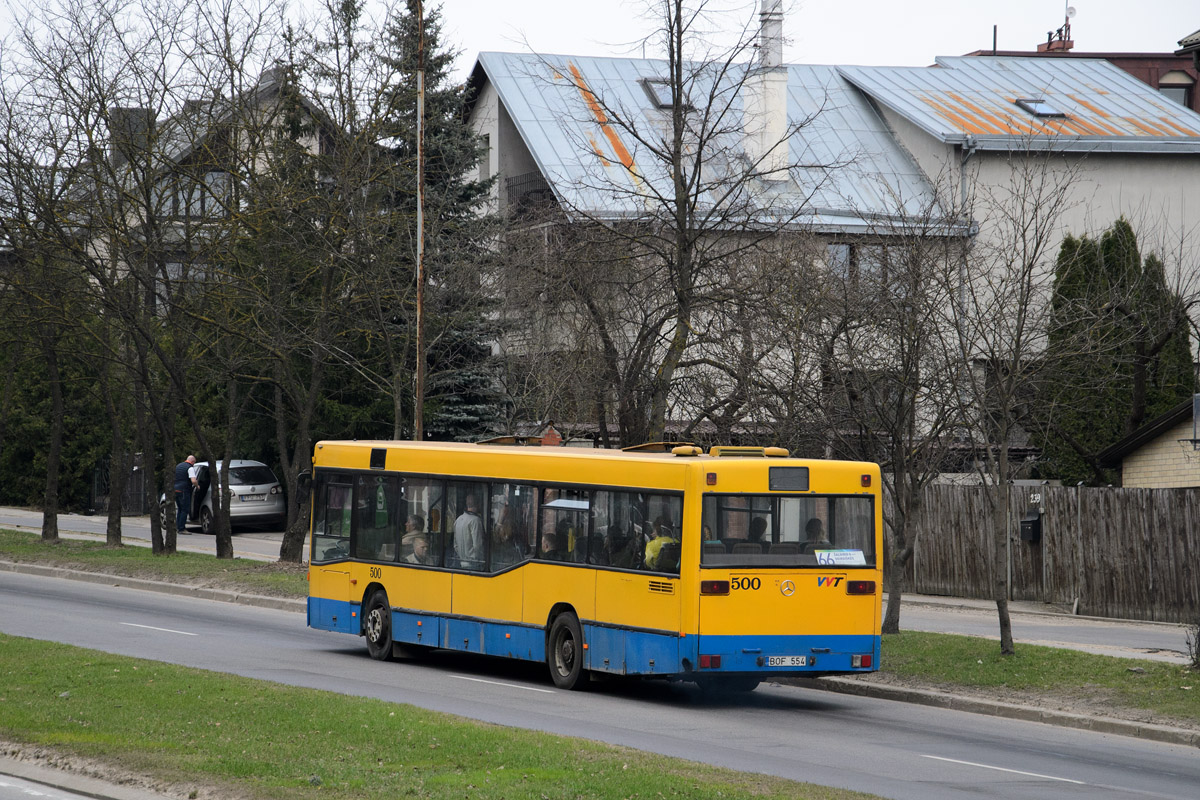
[[129, 132], [765, 98]]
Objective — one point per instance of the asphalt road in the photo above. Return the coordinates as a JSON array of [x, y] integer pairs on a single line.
[[1032, 623], [888, 748]]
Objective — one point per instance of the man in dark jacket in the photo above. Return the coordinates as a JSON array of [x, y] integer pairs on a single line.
[[184, 475]]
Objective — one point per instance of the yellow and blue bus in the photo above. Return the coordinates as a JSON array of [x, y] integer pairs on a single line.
[[724, 568]]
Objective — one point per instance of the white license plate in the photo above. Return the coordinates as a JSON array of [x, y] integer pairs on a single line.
[[250, 498], [787, 661]]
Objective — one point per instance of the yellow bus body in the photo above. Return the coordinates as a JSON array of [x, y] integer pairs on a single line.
[[632, 621]]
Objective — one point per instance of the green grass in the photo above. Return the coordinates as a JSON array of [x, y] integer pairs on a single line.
[[957, 661], [263, 740], [196, 569]]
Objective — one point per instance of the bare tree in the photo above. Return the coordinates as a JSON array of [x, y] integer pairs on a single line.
[[692, 194], [1001, 315]]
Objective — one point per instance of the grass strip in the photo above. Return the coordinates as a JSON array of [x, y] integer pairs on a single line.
[[949, 661], [204, 730], [274, 579]]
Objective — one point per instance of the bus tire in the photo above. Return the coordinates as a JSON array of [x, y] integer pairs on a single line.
[[565, 651], [377, 626]]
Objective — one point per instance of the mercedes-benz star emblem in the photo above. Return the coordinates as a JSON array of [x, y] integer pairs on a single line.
[[787, 588]]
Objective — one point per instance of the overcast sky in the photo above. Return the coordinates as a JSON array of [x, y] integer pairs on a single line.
[[891, 32]]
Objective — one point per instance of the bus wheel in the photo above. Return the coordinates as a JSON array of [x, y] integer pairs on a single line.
[[566, 651], [377, 627]]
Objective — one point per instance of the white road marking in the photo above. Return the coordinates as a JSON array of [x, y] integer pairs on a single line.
[[164, 630], [498, 683], [1002, 769]]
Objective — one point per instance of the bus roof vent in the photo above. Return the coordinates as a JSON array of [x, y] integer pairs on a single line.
[[775, 452], [655, 447], [686, 450], [737, 452]]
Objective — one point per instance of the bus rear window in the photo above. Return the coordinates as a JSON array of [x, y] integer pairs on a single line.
[[773, 531]]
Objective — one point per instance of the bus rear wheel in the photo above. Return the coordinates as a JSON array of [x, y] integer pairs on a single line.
[[377, 627], [565, 651]]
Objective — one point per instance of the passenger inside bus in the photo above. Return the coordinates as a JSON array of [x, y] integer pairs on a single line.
[[550, 551], [663, 535], [506, 546], [816, 539]]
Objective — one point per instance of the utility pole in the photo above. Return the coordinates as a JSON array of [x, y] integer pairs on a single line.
[[419, 393]]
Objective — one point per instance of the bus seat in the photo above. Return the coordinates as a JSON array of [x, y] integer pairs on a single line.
[[785, 548], [742, 548], [715, 547]]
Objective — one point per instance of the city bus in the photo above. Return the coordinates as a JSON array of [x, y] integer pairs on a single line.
[[724, 568]]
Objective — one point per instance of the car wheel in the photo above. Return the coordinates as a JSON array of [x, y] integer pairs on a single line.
[[377, 627], [165, 519], [565, 651], [206, 520]]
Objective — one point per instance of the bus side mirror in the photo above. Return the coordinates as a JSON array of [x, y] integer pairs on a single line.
[[304, 481]]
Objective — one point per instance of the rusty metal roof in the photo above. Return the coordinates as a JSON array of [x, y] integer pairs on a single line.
[[854, 176], [1005, 103]]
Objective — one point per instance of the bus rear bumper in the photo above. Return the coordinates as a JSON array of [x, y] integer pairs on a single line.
[[785, 656]]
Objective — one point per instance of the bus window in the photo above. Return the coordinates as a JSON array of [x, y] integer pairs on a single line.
[[331, 519], [565, 516], [510, 522], [377, 517], [423, 503], [614, 542], [664, 537], [466, 546], [795, 531]]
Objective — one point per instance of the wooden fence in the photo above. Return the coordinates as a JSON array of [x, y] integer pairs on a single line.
[[1125, 553]]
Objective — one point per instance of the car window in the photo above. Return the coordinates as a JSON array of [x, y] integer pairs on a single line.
[[239, 476]]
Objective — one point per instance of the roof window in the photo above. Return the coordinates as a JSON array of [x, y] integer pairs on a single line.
[[1039, 107], [659, 91]]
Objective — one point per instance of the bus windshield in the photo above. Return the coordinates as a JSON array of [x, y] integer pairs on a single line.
[[752, 530]]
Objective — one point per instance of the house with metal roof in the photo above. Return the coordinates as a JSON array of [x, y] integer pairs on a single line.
[[882, 142], [1132, 150], [549, 137]]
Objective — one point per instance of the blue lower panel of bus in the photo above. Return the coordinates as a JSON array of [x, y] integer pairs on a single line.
[[820, 654], [333, 615], [619, 651]]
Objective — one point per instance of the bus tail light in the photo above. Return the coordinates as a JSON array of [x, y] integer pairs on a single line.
[[860, 587], [710, 662], [714, 587], [860, 662]]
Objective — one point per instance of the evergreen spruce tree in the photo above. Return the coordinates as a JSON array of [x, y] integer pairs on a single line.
[[462, 399], [1121, 339]]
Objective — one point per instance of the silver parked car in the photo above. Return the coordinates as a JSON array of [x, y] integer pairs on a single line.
[[256, 496]]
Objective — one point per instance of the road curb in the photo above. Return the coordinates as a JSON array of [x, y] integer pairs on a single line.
[[74, 782], [926, 697], [202, 592]]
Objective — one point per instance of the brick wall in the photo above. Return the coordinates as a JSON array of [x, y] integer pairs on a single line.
[[1165, 463]]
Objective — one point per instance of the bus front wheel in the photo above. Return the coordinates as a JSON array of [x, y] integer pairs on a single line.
[[565, 655], [377, 627]]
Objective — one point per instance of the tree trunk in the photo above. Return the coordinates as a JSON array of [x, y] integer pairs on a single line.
[[1000, 556], [119, 461], [54, 448]]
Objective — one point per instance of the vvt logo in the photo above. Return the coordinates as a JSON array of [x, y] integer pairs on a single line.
[[829, 581]]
